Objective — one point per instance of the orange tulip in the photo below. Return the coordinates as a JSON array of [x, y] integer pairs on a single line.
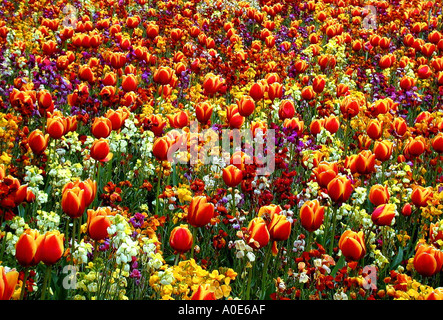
[[88, 186], [212, 84], [129, 83], [101, 127], [286, 110], [332, 124], [406, 83], [437, 143], [258, 234], [100, 150], [316, 126], [161, 147], [378, 195], [50, 248], [275, 91], [56, 127], [163, 75], [383, 214], [279, 228], [152, 30], [416, 146], [318, 84], [307, 93], [340, 189], [234, 118], [428, 260], [365, 162], [352, 245], [400, 126], [374, 129], [203, 112], [312, 215], [8, 282], [421, 195], [73, 202], [350, 107], [232, 176], [181, 239], [246, 106], [203, 293], [294, 124], [179, 120], [38, 142], [200, 212], [383, 150], [117, 117], [98, 223], [325, 172], [257, 91], [26, 247], [44, 99]]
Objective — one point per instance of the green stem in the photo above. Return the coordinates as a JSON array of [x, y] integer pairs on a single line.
[[248, 287], [25, 278], [45, 281], [334, 221], [74, 222], [268, 256]]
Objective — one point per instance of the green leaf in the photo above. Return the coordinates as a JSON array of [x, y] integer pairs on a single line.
[[339, 265], [398, 258]]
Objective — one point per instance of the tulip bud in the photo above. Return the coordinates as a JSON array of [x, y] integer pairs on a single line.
[[38, 142], [286, 110], [383, 214], [200, 212], [101, 127], [374, 129], [365, 162], [100, 150], [311, 215], [26, 247], [340, 189], [8, 282], [378, 195], [279, 228], [258, 234], [181, 239], [232, 176], [203, 293], [203, 112], [421, 195], [383, 150], [50, 248], [73, 203], [98, 223], [352, 245], [246, 106], [428, 260]]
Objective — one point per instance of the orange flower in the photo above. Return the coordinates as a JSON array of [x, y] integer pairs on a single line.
[[275, 91], [365, 162], [307, 93], [203, 112], [316, 126], [101, 127], [26, 247], [181, 239], [163, 75], [286, 109], [318, 84], [435, 294], [203, 293], [339, 189], [200, 212], [258, 234], [50, 248], [100, 150], [437, 143], [38, 142], [350, 107], [73, 203], [383, 150], [246, 106], [332, 124], [232, 176], [160, 148], [421, 195], [8, 282], [325, 172], [179, 120], [212, 84], [257, 91], [383, 214], [311, 215], [117, 117], [129, 83], [428, 260], [374, 129], [400, 126], [98, 223], [352, 245], [378, 195], [45, 99], [234, 118], [56, 127], [279, 227]]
